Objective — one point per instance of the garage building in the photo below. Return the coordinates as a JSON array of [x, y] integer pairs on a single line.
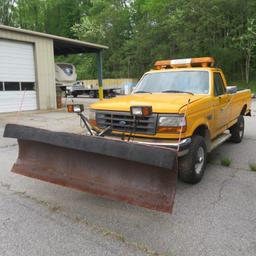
[[27, 71]]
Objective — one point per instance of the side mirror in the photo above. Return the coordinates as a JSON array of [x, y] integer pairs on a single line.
[[231, 89]]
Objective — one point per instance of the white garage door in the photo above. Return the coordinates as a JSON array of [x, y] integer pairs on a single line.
[[17, 76]]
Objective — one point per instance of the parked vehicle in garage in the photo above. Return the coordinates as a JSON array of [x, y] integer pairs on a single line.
[[65, 74]]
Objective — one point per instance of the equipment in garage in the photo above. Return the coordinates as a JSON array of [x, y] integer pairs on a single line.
[[17, 76], [65, 74]]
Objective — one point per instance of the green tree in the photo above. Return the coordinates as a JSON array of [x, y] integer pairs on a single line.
[[29, 14], [246, 42], [61, 15], [6, 7], [139, 32], [108, 22]]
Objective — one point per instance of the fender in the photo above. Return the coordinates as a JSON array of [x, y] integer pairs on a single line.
[[197, 123]]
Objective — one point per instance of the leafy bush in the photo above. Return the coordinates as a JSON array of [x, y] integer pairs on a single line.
[[253, 167], [225, 161]]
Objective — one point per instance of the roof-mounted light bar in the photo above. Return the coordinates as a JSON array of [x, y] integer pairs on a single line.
[[185, 63]]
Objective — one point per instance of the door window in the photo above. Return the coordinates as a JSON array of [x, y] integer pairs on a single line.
[[12, 86], [17, 86], [27, 86], [219, 88]]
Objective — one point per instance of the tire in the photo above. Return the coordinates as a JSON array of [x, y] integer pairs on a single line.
[[112, 94], [237, 130], [92, 94], [192, 166], [74, 95]]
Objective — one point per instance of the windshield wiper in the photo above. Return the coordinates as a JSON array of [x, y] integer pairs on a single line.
[[142, 92], [177, 91]]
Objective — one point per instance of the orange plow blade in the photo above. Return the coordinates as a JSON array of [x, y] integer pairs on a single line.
[[137, 174]]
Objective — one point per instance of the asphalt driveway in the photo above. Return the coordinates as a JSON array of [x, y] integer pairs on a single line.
[[215, 217]]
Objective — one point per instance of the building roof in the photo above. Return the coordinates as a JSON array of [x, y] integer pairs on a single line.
[[62, 45]]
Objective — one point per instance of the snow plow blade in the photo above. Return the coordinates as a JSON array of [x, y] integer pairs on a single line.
[[125, 171]]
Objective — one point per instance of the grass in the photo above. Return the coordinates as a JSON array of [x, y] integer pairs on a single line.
[[243, 85], [252, 167], [225, 161]]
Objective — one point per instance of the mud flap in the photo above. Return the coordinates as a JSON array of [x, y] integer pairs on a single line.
[[137, 174]]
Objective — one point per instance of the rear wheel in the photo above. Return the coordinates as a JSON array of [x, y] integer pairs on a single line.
[[237, 130], [192, 165], [112, 93]]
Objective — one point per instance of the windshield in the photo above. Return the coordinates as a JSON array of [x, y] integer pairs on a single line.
[[196, 82]]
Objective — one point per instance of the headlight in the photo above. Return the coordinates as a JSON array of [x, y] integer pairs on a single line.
[[171, 123], [78, 108], [172, 120], [141, 110], [136, 111]]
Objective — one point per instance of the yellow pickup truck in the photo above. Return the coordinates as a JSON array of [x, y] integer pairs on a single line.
[[183, 104]]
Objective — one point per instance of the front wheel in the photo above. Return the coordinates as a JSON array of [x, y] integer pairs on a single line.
[[237, 130], [192, 165]]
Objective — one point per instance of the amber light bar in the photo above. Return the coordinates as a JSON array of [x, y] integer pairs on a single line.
[[185, 63]]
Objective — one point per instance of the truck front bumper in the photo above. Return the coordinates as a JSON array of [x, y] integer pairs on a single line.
[[181, 146]]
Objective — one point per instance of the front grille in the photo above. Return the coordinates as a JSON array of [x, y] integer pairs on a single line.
[[125, 122]]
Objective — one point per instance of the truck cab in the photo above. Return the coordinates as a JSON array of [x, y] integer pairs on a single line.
[[182, 104]]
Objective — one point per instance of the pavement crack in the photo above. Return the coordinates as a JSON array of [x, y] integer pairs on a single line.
[[222, 186]]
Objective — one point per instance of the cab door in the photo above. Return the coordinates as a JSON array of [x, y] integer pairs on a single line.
[[221, 104]]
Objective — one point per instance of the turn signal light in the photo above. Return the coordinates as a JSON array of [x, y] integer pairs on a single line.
[[166, 129], [70, 108]]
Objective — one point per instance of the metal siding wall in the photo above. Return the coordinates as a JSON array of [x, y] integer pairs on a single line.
[[44, 59], [17, 100]]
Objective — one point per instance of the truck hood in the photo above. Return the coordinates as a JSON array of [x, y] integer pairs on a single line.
[[160, 102]]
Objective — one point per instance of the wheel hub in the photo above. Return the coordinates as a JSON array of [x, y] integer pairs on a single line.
[[200, 158], [241, 130]]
